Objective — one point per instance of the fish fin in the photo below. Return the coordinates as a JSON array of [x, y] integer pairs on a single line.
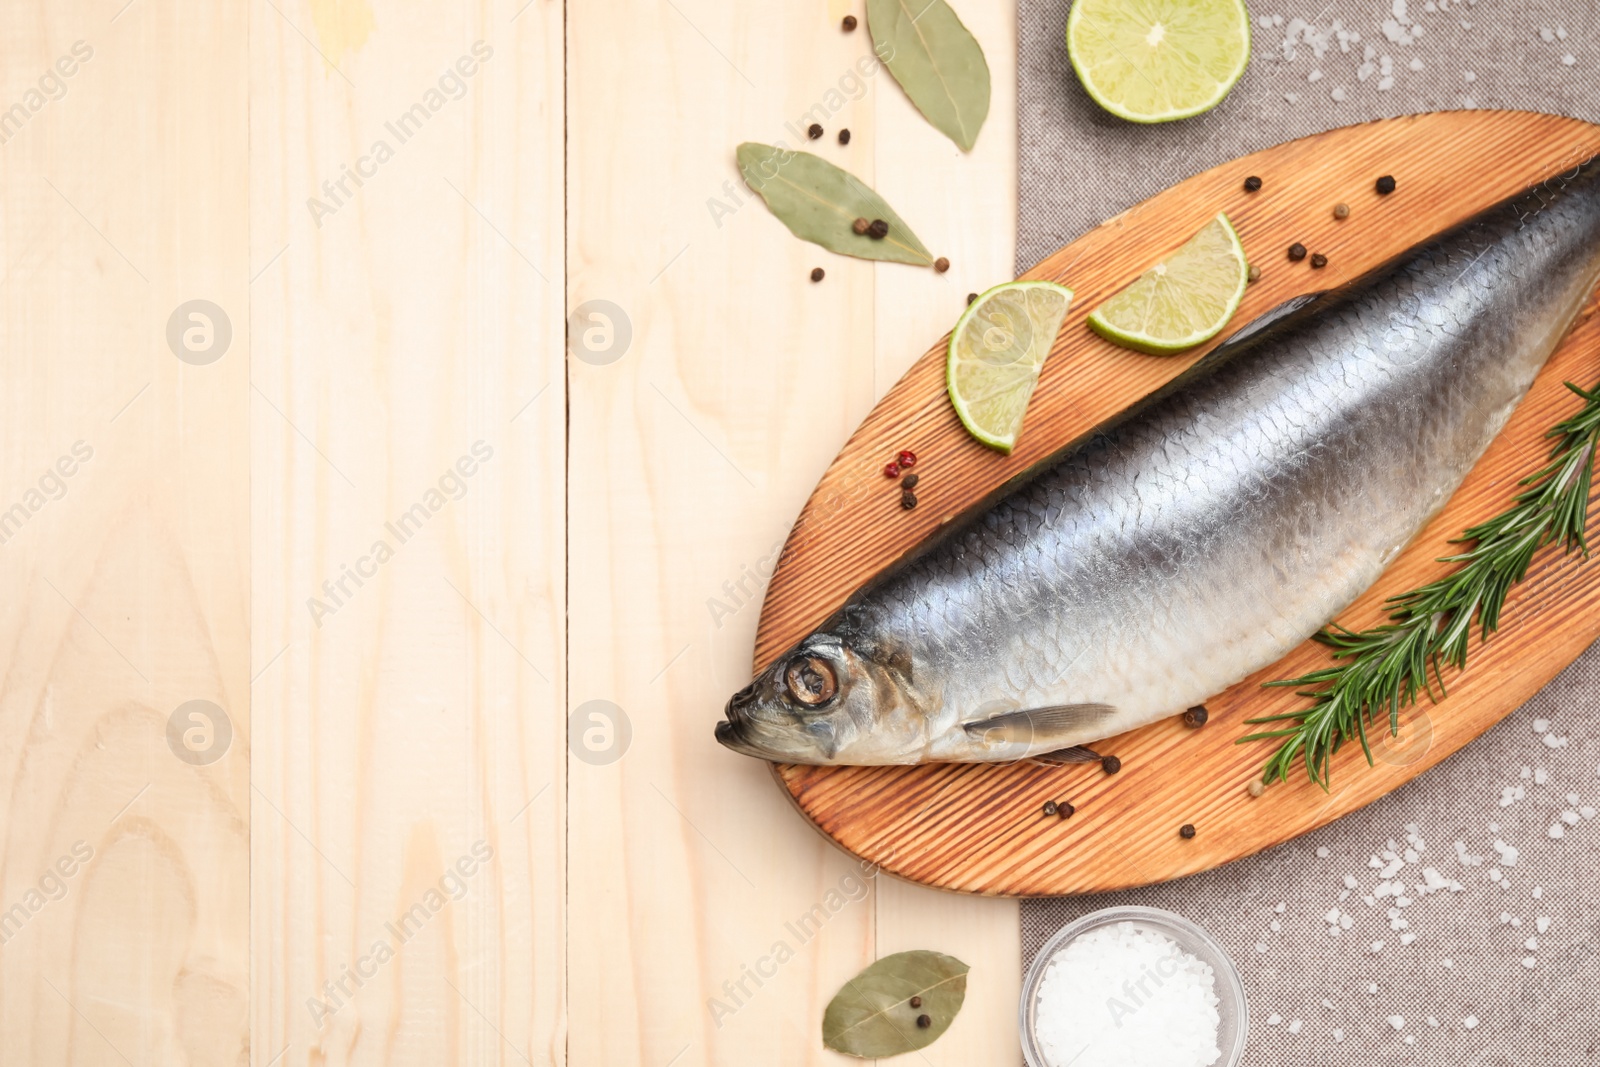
[[1033, 726], [1063, 756], [1259, 325]]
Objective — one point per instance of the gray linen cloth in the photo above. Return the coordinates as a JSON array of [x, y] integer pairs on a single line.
[[1504, 970]]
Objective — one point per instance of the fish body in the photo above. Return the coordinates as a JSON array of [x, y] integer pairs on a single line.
[[1202, 537]]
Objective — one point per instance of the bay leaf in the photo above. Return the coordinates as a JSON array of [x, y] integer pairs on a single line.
[[936, 60], [872, 1015], [819, 202]]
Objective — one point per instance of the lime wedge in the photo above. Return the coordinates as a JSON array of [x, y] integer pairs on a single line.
[[996, 350], [1185, 299], [1158, 60]]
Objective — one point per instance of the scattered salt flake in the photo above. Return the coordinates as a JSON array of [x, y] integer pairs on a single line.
[[1494, 874], [1556, 830], [1338, 1034], [1314, 76], [1470, 1022], [1407, 937], [1568, 60], [1505, 917], [1293, 98], [1295, 1025], [1527, 772], [1377, 946], [1541, 725], [1276, 926], [1547, 35], [1372, 987], [1538, 892], [1573, 799], [1397, 1021], [1280, 908], [1410, 1039], [1532, 944], [1529, 962], [1516, 920], [1350, 881], [1385, 84], [1432, 1021], [1540, 776], [1274, 1019], [1542, 923], [1338, 94], [1261, 948], [1561, 33], [1551, 740], [1415, 64], [1447, 964], [1570, 817], [1326, 1003], [1323, 853], [1346, 922]]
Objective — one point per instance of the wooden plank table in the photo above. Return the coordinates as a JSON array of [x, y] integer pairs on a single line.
[[392, 535]]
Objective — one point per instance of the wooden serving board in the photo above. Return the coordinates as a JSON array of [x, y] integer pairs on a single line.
[[978, 828]]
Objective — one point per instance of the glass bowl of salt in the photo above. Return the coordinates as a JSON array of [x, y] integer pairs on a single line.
[[1133, 987]]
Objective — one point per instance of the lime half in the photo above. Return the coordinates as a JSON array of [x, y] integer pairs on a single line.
[[1158, 60], [1185, 299], [996, 350]]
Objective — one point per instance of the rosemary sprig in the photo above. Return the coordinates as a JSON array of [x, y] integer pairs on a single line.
[[1430, 627]]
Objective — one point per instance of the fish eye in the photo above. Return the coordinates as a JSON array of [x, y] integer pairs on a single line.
[[811, 680]]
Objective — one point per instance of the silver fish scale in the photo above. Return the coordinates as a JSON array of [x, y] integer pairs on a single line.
[[1201, 539]]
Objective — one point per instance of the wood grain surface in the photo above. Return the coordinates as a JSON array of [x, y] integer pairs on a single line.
[[978, 829]]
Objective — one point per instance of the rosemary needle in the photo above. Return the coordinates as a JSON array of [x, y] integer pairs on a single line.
[[1430, 627]]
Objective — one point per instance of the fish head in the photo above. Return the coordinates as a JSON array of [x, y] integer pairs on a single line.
[[829, 701]]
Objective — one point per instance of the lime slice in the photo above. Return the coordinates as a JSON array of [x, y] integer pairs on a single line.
[[1158, 60], [996, 350], [1185, 299]]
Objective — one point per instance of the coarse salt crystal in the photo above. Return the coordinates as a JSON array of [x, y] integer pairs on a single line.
[[1447, 964], [1529, 962], [1274, 1019], [1261, 947], [1350, 881], [1372, 987], [1538, 892], [1177, 1012], [1338, 1034], [1338, 94], [1470, 1022], [1397, 1021], [1541, 725], [1540, 776], [1323, 853], [1551, 740], [1377, 946], [1573, 798], [1568, 60], [1542, 923], [1295, 1025], [1415, 64], [1556, 830], [1570, 818], [1532, 944], [1276, 926]]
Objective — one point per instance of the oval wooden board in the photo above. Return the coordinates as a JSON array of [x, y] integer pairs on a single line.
[[977, 828]]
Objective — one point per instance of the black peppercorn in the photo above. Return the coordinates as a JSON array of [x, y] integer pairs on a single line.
[[849, 23], [1318, 260], [1196, 716], [1066, 810], [844, 136], [1049, 809], [878, 230], [1386, 185], [941, 264], [1252, 183], [910, 481], [1110, 764], [816, 274], [923, 1022], [1297, 251], [860, 226], [908, 500], [971, 297], [1186, 830], [916, 1002]]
